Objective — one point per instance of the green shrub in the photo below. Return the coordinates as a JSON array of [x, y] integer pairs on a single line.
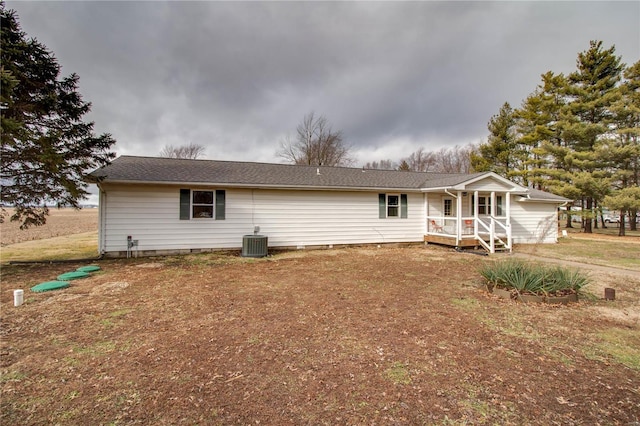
[[532, 278]]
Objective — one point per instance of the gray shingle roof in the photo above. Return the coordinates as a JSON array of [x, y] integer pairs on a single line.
[[132, 169], [536, 194], [171, 170]]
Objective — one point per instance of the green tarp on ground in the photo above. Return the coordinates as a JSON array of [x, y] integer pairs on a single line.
[[49, 285], [89, 268], [72, 275]]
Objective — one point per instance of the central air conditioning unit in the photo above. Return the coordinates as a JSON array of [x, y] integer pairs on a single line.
[[255, 245]]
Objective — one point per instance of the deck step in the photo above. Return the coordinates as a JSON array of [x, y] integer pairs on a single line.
[[498, 246]]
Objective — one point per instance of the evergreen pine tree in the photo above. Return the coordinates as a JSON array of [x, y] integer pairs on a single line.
[[592, 91], [46, 147], [538, 126], [404, 166], [625, 200], [623, 148], [501, 153]]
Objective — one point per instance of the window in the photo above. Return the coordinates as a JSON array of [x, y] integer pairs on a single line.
[[199, 204], [202, 205], [393, 202], [392, 205], [484, 205], [448, 207]]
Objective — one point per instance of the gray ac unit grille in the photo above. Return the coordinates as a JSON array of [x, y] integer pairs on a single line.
[[254, 246]]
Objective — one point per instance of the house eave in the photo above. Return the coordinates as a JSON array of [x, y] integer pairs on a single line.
[[463, 188], [526, 199], [256, 186]]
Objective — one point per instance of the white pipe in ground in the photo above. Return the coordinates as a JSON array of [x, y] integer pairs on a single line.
[[18, 297]]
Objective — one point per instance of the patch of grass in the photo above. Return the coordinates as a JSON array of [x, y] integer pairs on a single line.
[[398, 374], [12, 376], [73, 362], [73, 395], [119, 312], [206, 259], [623, 345], [610, 252], [97, 349], [557, 354], [466, 303], [254, 340], [76, 246], [478, 409], [112, 317]]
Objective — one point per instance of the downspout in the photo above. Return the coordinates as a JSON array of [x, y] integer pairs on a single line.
[[102, 219], [449, 193]]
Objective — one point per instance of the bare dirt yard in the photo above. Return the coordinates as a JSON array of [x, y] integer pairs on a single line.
[[377, 336]]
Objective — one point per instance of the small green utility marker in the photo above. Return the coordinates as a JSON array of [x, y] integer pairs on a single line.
[[49, 285], [72, 276], [88, 268]]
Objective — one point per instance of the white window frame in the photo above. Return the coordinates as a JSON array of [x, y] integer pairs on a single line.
[[212, 205], [451, 207], [484, 207], [396, 206]]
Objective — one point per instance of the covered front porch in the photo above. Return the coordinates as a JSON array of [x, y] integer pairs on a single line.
[[469, 219]]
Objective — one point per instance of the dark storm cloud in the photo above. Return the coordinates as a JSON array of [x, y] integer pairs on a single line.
[[237, 77]]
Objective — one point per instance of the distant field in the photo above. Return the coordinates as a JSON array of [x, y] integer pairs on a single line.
[[61, 222]]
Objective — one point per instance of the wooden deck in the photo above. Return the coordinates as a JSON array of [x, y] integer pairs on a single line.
[[450, 240]]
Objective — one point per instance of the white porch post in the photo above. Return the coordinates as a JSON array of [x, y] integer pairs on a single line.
[[508, 212], [492, 213], [459, 218], [475, 214]]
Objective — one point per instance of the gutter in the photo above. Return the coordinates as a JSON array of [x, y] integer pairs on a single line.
[[526, 199], [258, 186]]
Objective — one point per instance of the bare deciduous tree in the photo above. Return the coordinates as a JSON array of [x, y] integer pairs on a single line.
[[454, 160], [446, 160], [191, 151], [316, 144], [420, 161], [381, 165]]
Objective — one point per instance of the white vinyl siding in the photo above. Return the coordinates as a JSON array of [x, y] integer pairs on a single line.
[[488, 185], [533, 223], [289, 218]]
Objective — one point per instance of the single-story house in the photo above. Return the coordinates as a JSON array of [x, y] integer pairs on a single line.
[[167, 205]]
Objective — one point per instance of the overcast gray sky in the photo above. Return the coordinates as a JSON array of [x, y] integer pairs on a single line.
[[238, 77]]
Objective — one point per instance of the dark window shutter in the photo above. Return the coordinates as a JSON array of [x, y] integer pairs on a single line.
[[403, 206], [382, 206], [220, 204], [185, 204]]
